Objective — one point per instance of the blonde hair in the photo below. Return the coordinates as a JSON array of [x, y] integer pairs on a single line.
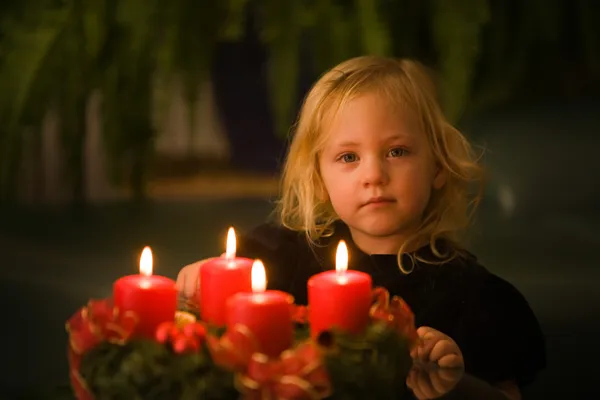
[[303, 205]]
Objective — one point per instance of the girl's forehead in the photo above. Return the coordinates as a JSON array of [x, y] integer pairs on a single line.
[[370, 109]]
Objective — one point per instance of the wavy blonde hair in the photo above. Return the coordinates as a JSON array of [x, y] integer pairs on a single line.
[[304, 204]]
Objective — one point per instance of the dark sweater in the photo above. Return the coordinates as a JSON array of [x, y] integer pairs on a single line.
[[489, 318]]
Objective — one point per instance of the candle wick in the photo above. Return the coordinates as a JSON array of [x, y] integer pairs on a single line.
[[341, 276]]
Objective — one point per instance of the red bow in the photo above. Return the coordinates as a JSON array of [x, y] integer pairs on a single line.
[[77, 382], [299, 314], [187, 337], [298, 374], [97, 322], [395, 313], [234, 349]]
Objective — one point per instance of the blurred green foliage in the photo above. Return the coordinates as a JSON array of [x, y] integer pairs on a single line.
[[55, 53]]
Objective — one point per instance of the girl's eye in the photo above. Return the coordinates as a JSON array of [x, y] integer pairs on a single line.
[[397, 152], [348, 158]]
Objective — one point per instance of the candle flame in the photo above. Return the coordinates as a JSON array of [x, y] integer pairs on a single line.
[[146, 262], [231, 244], [259, 277], [341, 258]]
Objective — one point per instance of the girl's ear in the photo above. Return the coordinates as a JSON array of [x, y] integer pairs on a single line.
[[440, 178]]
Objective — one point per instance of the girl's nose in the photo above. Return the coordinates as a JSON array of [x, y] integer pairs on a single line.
[[374, 172]]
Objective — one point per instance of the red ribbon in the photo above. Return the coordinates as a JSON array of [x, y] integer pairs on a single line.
[[234, 349], [395, 313], [97, 322], [298, 374], [183, 337], [78, 384], [299, 314]]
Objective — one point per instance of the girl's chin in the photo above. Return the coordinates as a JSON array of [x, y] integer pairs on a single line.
[[382, 226], [380, 229]]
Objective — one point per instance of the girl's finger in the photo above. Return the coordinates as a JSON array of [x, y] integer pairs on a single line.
[[442, 348], [451, 361], [424, 350], [425, 332], [191, 281], [414, 352], [188, 279]]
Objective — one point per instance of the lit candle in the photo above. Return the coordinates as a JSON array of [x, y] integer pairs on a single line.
[[339, 299], [266, 314], [151, 298], [220, 279]]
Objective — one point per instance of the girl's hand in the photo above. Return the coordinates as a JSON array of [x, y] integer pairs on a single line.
[[188, 279], [438, 348]]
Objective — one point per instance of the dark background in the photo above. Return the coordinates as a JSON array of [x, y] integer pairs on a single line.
[[538, 226]]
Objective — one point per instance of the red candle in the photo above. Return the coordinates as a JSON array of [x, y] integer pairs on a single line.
[[265, 315], [220, 279], [339, 299], [151, 298]]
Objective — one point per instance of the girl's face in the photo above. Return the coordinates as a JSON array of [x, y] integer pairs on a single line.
[[378, 173]]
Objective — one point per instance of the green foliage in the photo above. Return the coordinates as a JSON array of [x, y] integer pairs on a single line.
[[374, 365], [281, 31], [55, 54], [144, 369], [456, 28], [234, 21], [503, 56], [332, 34], [28, 42], [192, 32], [374, 33], [127, 87], [338, 31], [371, 365]]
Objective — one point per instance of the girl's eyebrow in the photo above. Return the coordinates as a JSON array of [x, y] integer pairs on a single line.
[[347, 143], [397, 136], [391, 138]]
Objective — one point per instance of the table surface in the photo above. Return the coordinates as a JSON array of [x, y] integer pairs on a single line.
[[427, 381], [430, 383]]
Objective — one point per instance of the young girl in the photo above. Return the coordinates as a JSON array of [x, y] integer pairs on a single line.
[[374, 162]]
